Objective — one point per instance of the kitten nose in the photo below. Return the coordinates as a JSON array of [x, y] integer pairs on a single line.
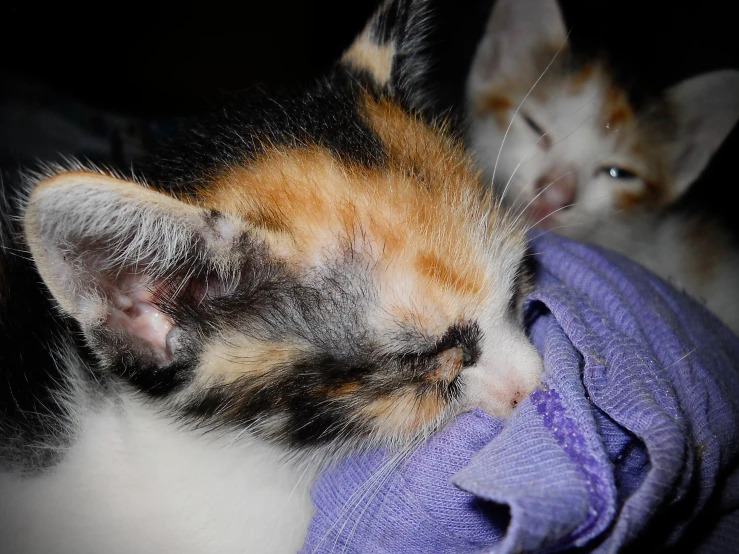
[[556, 190]]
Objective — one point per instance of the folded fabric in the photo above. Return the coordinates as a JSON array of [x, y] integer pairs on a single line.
[[632, 439]]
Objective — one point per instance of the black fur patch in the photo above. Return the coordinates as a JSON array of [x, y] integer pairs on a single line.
[[523, 284], [325, 115], [465, 336], [405, 24]]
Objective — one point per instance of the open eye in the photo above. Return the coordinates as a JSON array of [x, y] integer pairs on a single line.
[[615, 172]]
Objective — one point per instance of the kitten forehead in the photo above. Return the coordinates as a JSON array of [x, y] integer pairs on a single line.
[[596, 123], [418, 217]]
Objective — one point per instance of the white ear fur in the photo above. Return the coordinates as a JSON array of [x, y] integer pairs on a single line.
[[101, 244], [706, 108], [516, 30]]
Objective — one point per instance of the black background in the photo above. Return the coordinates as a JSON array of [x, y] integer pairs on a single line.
[[164, 57]]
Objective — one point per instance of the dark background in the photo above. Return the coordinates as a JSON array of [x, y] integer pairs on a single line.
[[165, 58]]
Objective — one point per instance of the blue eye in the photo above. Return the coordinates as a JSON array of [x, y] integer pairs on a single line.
[[619, 173]]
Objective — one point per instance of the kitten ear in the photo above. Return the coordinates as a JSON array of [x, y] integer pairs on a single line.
[[115, 255], [391, 51], [706, 108], [518, 34]]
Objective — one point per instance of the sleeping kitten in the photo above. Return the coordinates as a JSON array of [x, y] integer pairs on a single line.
[[566, 146], [311, 274]]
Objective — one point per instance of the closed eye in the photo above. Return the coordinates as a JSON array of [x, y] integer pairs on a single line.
[[543, 140], [464, 336], [615, 172]]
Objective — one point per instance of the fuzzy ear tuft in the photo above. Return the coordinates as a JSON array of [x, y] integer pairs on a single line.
[[518, 33], [706, 108], [392, 52], [114, 254]]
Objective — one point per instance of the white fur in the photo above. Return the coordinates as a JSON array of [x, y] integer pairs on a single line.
[[508, 370], [136, 223], [136, 482]]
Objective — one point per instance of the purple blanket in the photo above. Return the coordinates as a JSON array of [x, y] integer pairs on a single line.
[[633, 437]]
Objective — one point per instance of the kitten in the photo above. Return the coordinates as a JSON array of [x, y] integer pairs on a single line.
[[311, 274], [566, 146]]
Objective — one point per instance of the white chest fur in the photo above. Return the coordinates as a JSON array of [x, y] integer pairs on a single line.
[[135, 482]]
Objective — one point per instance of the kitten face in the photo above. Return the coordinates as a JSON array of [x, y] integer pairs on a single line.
[[328, 268], [572, 148]]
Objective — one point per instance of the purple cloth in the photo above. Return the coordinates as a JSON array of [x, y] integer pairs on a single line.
[[633, 438]]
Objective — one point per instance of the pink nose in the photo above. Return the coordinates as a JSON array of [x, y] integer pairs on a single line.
[[556, 192]]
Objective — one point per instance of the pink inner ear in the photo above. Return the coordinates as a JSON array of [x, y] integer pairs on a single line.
[[135, 314]]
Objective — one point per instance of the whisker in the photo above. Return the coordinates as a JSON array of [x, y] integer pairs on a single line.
[[546, 231], [401, 456], [357, 496], [580, 202]]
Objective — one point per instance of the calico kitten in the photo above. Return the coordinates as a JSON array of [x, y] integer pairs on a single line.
[[310, 274], [566, 146]]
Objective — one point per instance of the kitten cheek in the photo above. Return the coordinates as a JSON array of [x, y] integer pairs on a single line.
[[402, 414]]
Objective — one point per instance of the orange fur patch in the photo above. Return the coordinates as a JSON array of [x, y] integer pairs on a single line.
[[494, 103], [653, 195], [579, 79], [617, 110], [404, 411], [232, 358], [343, 390], [431, 266]]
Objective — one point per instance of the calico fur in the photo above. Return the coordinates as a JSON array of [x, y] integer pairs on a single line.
[[295, 278]]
